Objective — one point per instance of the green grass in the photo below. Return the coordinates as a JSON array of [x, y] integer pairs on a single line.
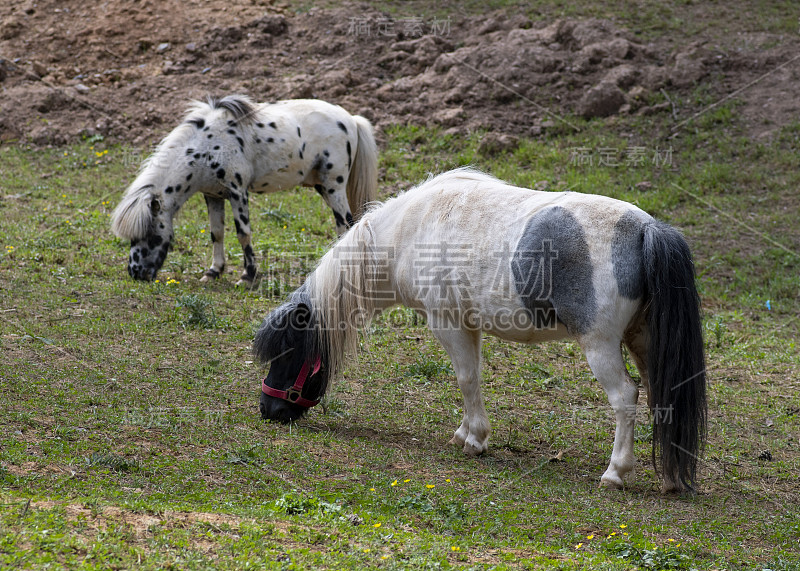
[[130, 434]]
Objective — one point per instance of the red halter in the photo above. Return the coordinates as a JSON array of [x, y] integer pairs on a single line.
[[293, 395]]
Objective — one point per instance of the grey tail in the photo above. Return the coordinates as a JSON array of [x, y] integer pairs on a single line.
[[675, 355]]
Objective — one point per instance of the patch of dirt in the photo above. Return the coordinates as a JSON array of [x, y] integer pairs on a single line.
[[125, 69], [141, 523]]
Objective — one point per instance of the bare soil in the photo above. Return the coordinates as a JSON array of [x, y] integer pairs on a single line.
[[125, 69]]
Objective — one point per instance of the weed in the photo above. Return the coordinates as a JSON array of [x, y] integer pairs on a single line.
[[655, 558], [429, 369], [201, 312], [113, 462], [295, 504]]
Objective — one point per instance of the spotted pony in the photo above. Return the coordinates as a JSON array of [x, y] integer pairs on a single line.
[[475, 255], [227, 148]]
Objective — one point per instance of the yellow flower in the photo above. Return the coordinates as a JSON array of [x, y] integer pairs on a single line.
[[455, 548], [590, 536], [377, 525], [302, 229], [384, 557], [626, 533], [63, 196], [622, 526], [406, 481], [66, 153], [394, 483], [284, 226], [158, 281], [203, 231], [671, 540], [579, 546], [366, 551], [447, 480], [372, 489], [430, 486]]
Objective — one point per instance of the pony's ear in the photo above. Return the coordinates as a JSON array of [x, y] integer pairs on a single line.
[[155, 205]]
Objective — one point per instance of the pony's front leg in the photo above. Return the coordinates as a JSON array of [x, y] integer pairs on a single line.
[[216, 219], [241, 218], [605, 360], [464, 348]]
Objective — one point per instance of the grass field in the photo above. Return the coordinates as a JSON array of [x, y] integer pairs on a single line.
[[130, 434]]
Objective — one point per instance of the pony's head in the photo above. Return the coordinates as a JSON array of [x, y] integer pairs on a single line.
[[142, 218], [289, 341]]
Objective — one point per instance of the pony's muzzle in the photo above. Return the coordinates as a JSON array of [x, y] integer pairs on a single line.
[[278, 410]]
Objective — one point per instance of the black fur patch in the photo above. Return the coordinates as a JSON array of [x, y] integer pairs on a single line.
[[340, 179], [626, 256], [199, 122], [221, 173], [553, 270], [341, 126]]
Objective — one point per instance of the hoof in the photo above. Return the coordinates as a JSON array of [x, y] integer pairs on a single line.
[[610, 484], [209, 275], [457, 440], [472, 450], [245, 284], [668, 487]]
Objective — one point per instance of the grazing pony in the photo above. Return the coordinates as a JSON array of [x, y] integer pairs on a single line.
[[476, 255], [227, 148]]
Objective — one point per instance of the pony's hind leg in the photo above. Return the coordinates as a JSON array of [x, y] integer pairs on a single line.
[[464, 348], [330, 182], [605, 360], [216, 219]]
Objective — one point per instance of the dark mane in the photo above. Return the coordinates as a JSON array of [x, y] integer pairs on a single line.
[[291, 330], [240, 106]]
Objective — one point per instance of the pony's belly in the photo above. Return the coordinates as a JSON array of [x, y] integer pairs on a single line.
[[529, 335], [274, 181]]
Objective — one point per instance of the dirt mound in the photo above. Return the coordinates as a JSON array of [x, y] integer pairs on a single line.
[[126, 69]]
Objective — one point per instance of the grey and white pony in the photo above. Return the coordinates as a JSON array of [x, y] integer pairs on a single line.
[[476, 255], [227, 148]]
